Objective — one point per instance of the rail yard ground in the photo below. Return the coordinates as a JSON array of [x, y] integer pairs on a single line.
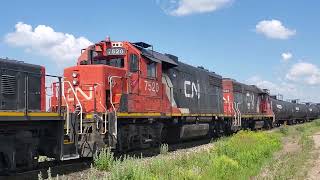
[[288, 152]]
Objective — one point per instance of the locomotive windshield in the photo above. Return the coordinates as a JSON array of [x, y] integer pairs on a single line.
[[110, 61]]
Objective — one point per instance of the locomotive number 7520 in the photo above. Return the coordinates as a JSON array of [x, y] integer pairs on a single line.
[[151, 86]]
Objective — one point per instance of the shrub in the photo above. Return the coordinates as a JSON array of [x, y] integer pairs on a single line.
[[129, 168], [284, 130], [164, 149], [301, 128], [186, 174], [317, 122], [223, 167], [104, 160]]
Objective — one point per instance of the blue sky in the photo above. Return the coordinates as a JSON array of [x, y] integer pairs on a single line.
[[241, 39]]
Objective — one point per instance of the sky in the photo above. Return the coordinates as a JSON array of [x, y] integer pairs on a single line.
[[270, 43]]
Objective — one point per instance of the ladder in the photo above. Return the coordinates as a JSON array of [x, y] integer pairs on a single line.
[[73, 127], [112, 129], [236, 121]]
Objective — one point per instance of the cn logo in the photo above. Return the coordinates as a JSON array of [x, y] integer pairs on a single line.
[[279, 106], [195, 89], [80, 92]]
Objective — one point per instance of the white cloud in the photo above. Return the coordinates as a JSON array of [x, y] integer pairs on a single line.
[[44, 40], [281, 87], [187, 7], [286, 56], [289, 90], [305, 73], [274, 29]]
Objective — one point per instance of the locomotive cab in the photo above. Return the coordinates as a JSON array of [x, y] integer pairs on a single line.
[[112, 76]]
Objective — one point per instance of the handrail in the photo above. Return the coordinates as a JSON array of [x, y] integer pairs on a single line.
[[53, 88], [105, 124], [239, 122], [79, 104], [111, 102], [105, 114], [110, 84], [273, 114], [235, 113], [238, 114], [68, 115], [105, 118]]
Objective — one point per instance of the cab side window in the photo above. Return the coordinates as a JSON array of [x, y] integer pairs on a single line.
[[134, 63], [151, 69]]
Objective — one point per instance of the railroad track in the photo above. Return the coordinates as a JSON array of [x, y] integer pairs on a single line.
[[72, 166], [56, 168]]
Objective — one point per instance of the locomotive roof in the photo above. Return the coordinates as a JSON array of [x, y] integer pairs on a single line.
[[154, 55], [247, 87], [18, 63], [158, 57]]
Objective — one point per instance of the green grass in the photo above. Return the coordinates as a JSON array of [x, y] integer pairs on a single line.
[[244, 154], [104, 160], [238, 157]]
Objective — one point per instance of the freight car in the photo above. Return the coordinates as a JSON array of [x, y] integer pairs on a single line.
[[313, 111], [26, 129], [292, 112]]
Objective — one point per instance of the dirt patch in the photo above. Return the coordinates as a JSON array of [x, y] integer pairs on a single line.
[[290, 146], [316, 139], [314, 172]]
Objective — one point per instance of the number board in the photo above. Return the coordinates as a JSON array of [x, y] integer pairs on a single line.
[[116, 51]]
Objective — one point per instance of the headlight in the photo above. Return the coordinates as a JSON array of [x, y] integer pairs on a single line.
[[74, 74], [75, 82]]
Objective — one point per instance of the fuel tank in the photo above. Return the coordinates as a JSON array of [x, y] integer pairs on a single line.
[[194, 130]]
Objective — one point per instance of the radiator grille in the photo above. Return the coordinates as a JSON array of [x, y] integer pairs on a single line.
[[213, 81], [8, 84]]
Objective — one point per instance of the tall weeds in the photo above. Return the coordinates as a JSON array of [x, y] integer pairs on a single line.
[[237, 157]]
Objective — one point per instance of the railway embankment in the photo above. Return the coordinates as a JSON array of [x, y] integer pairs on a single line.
[[299, 157], [289, 152]]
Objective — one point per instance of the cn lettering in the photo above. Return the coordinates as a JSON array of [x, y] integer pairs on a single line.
[[80, 93], [195, 89]]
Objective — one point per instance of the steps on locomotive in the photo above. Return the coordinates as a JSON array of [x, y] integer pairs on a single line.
[[70, 157], [69, 151]]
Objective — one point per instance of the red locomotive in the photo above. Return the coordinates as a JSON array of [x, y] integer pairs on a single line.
[[249, 105]]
